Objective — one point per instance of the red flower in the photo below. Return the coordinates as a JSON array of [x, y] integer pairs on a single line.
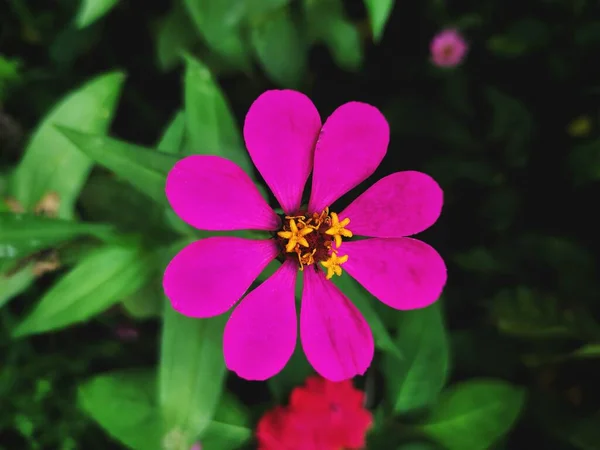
[[322, 415]]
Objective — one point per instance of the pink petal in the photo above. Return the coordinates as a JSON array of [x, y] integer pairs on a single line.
[[401, 204], [351, 145], [403, 273], [260, 335], [212, 193], [280, 130], [209, 276], [336, 338]]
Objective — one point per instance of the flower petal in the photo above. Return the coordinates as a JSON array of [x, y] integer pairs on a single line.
[[280, 130], [403, 273], [213, 193], [209, 276], [351, 145], [260, 335], [401, 204], [336, 338]]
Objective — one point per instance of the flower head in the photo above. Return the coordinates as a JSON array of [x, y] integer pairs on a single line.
[[286, 141], [448, 48], [321, 415]]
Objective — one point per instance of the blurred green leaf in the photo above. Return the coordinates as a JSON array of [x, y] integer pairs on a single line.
[[145, 169], [100, 280], [219, 24], [122, 403], [379, 13], [584, 161], [191, 372], [147, 301], [362, 299], [419, 446], [13, 284], [584, 434], [24, 234], [176, 35], [479, 260], [211, 126], [173, 139], [472, 415], [416, 381], [512, 125], [522, 37], [327, 22], [51, 162], [92, 10], [9, 74], [280, 48], [229, 428], [524, 312]]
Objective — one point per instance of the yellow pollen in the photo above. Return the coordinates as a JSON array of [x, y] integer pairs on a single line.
[[295, 236], [333, 265], [337, 229]]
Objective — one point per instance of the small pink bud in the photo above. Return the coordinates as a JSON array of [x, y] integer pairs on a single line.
[[448, 48], [196, 446]]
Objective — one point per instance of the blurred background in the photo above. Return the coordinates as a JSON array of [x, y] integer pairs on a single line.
[[508, 125]]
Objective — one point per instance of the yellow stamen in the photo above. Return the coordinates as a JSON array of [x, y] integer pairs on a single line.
[[337, 229], [295, 236], [333, 265]]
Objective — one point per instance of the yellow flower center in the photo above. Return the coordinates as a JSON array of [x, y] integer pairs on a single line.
[[309, 239]]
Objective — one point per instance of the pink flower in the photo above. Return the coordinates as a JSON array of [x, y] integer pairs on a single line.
[[448, 48], [196, 446], [286, 141]]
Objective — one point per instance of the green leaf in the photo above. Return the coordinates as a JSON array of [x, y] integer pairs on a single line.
[[584, 161], [145, 169], [379, 13], [24, 234], [92, 10], [211, 127], [280, 49], [51, 162], [522, 37], [327, 22], [229, 429], [100, 280], [362, 299], [192, 371], [218, 22], [176, 35], [472, 415], [173, 138], [122, 403], [13, 284], [146, 302], [416, 381]]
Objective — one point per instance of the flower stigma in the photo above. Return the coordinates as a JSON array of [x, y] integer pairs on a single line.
[[309, 239]]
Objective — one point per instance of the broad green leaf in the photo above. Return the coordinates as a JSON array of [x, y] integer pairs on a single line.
[[92, 10], [51, 162], [13, 284], [24, 234], [219, 24], [101, 279], [145, 169], [327, 22], [416, 381], [176, 35], [361, 299], [146, 302], [379, 13], [211, 127], [191, 372], [280, 48], [472, 415], [123, 404], [173, 138]]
